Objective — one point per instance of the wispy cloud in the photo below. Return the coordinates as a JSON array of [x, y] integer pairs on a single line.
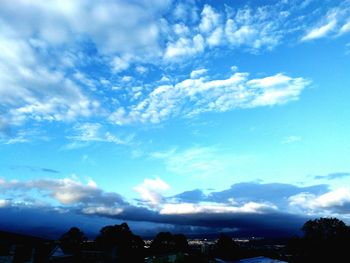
[[194, 96], [334, 24], [35, 169], [321, 31], [291, 139], [86, 133], [333, 176], [27, 135], [195, 161]]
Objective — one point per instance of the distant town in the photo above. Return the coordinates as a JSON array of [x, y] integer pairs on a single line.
[[323, 240]]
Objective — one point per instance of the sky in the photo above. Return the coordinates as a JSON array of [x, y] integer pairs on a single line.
[[192, 116]]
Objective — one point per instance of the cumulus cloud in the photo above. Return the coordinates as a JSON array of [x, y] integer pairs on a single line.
[[64, 18], [150, 191], [197, 95], [66, 191], [254, 29], [30, 90], [334, 201], [198, 72], [210, 19], [184, 47]]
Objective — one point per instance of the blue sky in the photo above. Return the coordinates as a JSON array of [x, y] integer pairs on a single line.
[[148, 110]]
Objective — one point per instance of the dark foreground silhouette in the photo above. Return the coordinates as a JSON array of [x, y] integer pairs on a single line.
[[323, 240]]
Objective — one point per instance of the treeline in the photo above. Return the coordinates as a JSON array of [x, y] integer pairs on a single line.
[[116, 243], [323, 240]]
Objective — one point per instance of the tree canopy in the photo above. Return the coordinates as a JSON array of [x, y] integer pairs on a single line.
[[166, 242], [324, 240], [71, 241]]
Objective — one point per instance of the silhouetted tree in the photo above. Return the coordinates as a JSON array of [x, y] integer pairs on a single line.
[[181, 243], [165, 242], [325, 229], [71, 241], [120, 244], [324, 240], [226, 248]]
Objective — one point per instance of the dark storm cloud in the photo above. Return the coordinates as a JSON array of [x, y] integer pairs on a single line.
[[47, 222], [332, 176], [257, 208], [273, 223]]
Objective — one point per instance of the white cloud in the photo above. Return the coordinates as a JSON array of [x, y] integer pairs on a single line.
[[4, 203], [255, 28], [291, 139], [120, 64], [46, 45], [109, 211], [127, 78], [141, 69], [277, 89], [84, 79], [215, 208], [184, 47], [334, 24], [321, 31], [197, 73], [55, 21], [181, 30], [210, 19], [116, 88], [150, 191], [186, 11], [66, 191], [30, 90], [92, 132], [216, 37], [23, 136], [202, 161], [337, 200], [194, 96], [345, 28]]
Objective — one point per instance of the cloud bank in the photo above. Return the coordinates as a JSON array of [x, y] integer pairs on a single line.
[[243, 208]]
